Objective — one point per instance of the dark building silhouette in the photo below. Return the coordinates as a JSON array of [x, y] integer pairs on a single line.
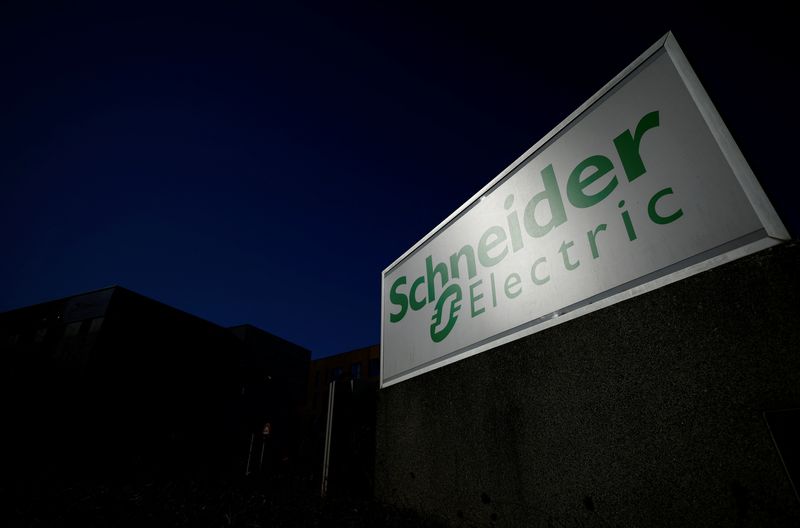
[[111, 380], [352, 450], [362, 365], [272, 370]]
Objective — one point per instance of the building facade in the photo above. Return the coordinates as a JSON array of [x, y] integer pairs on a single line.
[[353, 379], [111, 379], [361, 365]]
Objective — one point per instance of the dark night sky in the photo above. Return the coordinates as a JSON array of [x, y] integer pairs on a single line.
[[264, 163]]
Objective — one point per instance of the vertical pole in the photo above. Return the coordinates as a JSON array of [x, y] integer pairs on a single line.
[[249, 455], [328, 428]]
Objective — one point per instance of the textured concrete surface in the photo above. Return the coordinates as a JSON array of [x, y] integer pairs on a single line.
[[645, 413]]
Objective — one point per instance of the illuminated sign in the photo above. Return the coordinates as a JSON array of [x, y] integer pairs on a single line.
[[641, 186]]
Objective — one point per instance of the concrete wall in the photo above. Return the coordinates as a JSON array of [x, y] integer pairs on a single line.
[[645, 413]]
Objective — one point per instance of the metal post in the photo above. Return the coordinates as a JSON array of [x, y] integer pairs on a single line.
[[249, 455], [328, 428]]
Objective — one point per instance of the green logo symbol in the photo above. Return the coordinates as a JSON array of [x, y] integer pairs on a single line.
[[454, 290]]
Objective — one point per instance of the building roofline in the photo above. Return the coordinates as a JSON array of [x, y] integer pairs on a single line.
[[248, 325], [171, 307], [323, 358], [151, 299], [64, 298]]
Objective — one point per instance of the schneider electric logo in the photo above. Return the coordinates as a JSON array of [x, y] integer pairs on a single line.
[[463, 294]]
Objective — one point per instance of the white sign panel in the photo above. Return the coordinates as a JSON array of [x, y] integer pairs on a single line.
[[640, 187]]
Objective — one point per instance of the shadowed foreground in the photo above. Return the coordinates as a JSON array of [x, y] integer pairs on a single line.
[[245, 503]]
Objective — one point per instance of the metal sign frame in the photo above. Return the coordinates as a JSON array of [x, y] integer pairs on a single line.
[[773, 231]]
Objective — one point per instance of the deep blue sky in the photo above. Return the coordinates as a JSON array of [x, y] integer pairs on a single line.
[[263, 163]]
